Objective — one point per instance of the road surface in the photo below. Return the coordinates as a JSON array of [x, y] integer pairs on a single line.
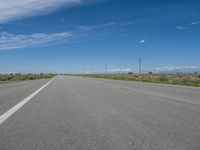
[[76, 113]]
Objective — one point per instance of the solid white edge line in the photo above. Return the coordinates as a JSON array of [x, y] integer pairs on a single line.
[[11, 111]]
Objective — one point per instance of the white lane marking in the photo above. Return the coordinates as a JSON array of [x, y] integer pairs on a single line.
[[11, 111]]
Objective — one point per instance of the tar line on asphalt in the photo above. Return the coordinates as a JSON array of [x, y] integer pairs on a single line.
[[11, 111]]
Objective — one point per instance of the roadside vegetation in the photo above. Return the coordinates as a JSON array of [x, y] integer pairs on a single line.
[[21, 77], [177, 79]]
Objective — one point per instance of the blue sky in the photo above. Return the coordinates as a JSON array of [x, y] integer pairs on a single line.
[[71, 36]]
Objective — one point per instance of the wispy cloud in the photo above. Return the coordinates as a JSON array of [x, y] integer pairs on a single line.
[[11, 41], [96, 30], [181, 28], [95, 26], [188, 26], [195, 23], [79, 32], [13, 9], [91, 27]]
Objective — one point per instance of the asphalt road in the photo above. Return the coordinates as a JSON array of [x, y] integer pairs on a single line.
[[13, 93], [76, 113]]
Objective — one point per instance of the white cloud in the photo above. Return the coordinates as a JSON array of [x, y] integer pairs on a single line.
[[180, 28], [17, 9], [119, 70], [195, 23], [11, 41], [142, 41], [175, 68]]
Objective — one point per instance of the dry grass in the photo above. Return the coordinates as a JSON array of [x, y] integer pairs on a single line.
[[177, 79], [21, 77]]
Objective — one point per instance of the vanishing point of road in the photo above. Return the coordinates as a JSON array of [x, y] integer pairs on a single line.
[[77, 113]]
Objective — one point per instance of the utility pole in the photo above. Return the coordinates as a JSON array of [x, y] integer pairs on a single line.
[[140, 66]]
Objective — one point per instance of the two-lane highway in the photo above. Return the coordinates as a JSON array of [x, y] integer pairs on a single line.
[[79, 113]]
